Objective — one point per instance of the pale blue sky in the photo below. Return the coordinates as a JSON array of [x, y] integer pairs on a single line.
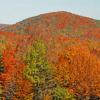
[[12, 11]]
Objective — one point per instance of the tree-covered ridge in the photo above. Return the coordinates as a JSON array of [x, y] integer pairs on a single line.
[[56, 23]]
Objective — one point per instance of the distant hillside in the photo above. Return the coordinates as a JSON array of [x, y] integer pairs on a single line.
[[3, 26], [56, 23]]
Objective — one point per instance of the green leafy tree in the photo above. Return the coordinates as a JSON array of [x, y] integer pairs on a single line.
[[38, 70], [61, 93]]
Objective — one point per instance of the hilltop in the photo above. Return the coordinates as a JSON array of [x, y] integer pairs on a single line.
[[56, 23]]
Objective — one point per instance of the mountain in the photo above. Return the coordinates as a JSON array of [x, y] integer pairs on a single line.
[[57, 23], [53, 56]]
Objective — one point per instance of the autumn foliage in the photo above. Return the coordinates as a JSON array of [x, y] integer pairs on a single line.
[[53, 56]]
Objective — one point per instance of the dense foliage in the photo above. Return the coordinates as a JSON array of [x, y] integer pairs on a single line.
[[55, 56]]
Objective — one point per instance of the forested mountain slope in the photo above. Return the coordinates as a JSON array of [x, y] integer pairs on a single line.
[[53, 56]]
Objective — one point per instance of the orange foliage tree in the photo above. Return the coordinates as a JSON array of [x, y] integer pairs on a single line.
[[14, 83], [75, 69]]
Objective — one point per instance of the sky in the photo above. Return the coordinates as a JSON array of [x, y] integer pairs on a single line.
[[12, 11]]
